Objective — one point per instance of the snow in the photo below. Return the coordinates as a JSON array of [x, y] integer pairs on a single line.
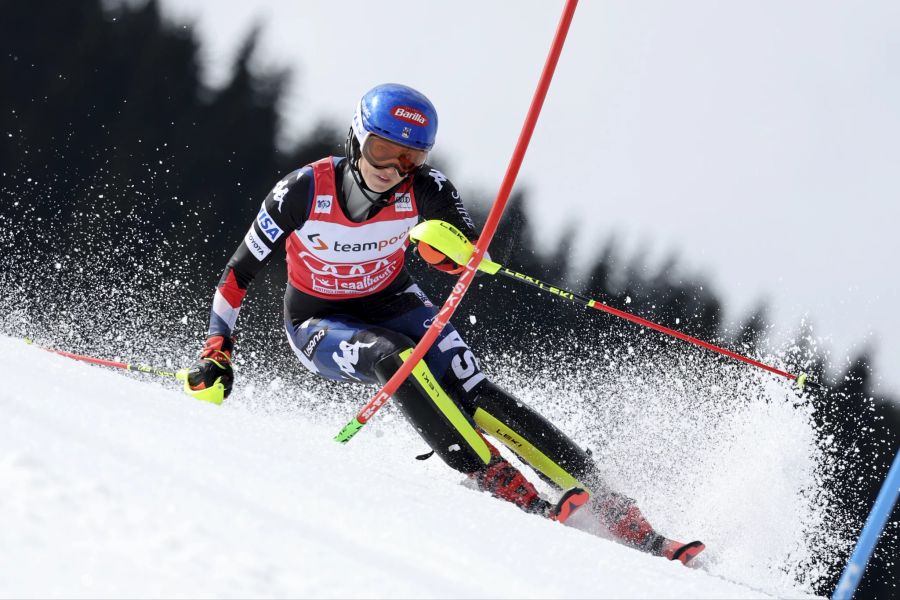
[[112, 485]]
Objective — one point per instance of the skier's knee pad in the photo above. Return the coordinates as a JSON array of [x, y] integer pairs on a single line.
[[437, 418], [533, 438]]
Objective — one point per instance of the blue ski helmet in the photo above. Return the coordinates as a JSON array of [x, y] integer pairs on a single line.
[[397, 113]]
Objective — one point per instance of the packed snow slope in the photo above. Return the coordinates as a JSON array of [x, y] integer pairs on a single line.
[[112, 486]]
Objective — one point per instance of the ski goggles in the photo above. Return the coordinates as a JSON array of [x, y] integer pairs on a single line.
[[382, 153]]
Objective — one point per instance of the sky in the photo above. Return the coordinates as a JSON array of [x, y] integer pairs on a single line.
[[757, 141]]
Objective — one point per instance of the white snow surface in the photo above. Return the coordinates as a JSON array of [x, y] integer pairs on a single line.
[[116, 485]]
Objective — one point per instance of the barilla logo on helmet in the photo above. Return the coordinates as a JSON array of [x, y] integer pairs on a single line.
[[410, 115]]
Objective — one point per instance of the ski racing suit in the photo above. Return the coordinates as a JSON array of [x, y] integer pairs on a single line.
[[352, 312]]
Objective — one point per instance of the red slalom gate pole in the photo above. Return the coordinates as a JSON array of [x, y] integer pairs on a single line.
[[490, 227]]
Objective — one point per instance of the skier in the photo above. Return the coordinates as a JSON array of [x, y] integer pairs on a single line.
[[353, 313]]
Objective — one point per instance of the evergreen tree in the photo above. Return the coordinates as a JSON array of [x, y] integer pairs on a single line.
[[751, 331]]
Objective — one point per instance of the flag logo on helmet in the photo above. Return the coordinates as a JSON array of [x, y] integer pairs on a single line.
[[410, 115]]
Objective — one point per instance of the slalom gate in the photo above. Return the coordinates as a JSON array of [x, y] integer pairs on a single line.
[[878, 516]]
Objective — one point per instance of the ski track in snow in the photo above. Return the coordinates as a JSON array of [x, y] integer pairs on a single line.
[[111, 486]]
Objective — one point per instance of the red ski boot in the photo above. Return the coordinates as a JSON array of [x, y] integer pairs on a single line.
[[624, 520], [504, 481]]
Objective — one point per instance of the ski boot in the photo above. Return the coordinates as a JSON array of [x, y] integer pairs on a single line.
[[621, 516], [506, 482]]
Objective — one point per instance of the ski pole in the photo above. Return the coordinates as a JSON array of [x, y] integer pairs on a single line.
[[214, 394], [111, 363], [801, 380], [451, 242], [490, 227]]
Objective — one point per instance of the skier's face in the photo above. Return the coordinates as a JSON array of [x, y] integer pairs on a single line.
[[378, 179]]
